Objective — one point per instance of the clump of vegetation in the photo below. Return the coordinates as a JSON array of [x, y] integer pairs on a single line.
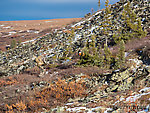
[[108, 56], [120, 60], [131, 26], [13, 44], [19, 42], [59, 91], [10, 81], [90, 53], [101, 55], [62, 90], [18, 107], [106, 24]]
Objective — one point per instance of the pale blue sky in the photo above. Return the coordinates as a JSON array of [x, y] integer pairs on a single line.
[[46, 9]]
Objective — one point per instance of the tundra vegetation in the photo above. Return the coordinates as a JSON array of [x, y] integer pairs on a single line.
[[89, 53]]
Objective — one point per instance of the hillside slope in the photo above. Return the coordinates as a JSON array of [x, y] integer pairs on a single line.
[[63, 84], [30, 29]]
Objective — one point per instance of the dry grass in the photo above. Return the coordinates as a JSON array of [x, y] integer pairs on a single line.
[[62, 90], [9, 81], [18, 107], [54, 94]]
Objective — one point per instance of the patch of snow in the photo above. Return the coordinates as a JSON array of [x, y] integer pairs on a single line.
[[96, 108], [143, 19], [126, 54], [68, 104], [117, 70], [7, 27], [2, 25], [136, 6], [48, 21], [90, 18], [138, 63], [93, 28], [145, 89], [28, 41], [77, 36], [46, 72], [145, 110], [108, 110], [12, 32], [78, 109], [75, 109], [20, 31], [78, 24], [98, 12], [135, 97], [32, 31]]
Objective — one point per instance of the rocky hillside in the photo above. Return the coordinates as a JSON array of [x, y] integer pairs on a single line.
[[76, 88], [16, 60]]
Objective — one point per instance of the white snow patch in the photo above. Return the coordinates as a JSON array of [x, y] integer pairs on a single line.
[[32, 31], [90, 18], [68, 104], [135, 97], [93, 28], [78, 24], [7, 27], [108, 109], [2, 25], [78, 109], [145, 89], [77, 36], [48, 21], [96, 108], [98, 12], [136, 6], [138, 63], [46, 72], [20, 31], [145, 110], [28, 41], [75, 109], [12, 32], [126, 54]]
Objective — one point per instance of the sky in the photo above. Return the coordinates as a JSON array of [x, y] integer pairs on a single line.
[[47, 9]]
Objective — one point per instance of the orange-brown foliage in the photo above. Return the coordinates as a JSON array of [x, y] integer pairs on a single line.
[[62, 90], [10, 81], [59, 91], [20, 106]]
